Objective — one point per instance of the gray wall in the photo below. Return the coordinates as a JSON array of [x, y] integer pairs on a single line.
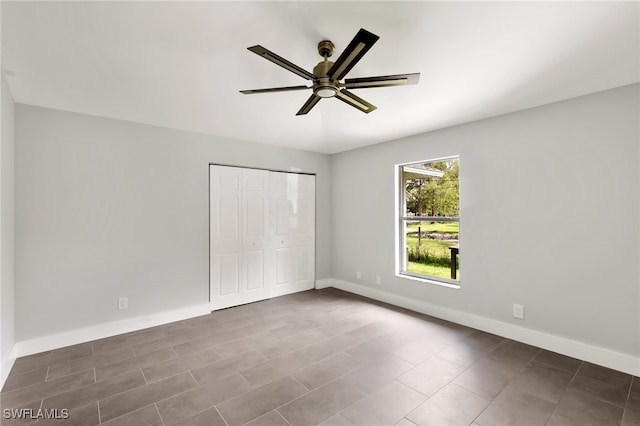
[[6, 225], [549, 217], [108, 208]]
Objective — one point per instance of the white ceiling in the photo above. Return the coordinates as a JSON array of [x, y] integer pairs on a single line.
[[180, 64]]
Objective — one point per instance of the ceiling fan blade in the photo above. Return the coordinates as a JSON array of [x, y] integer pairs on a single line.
[[355, 101], [382, 81], [274, 89], [361, 43], [311, 102], [278, 60]]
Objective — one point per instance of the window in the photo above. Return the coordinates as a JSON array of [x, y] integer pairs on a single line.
[[429, 220]]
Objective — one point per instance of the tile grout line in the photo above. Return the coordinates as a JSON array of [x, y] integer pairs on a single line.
[[626, 402], [282, 417], [125, 414], [118, 393], [216, 379], [626, 405], [36, 385], [210, 407], [194, 379], [407, 419], [188, 369], [557, 367], [11, 373], [311, 344], [247, 380], [576, 373], [155, 404], [128, 357], [368, 395], [174, 352], [365, 395], [503, 389], [600, 381], [469, 390], [220, 414], [565, 392], [298, 382], [301, 396], [151, 403], [488, 405], [450, 382], [406, 416]]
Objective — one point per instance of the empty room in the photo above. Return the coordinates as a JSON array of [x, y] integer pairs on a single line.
[[299, 213]]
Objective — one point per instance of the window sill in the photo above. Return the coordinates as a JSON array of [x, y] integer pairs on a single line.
[[444, 283]]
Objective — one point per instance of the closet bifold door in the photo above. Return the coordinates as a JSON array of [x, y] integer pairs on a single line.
[[262, 234]]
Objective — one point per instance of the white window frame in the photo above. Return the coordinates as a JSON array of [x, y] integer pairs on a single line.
[[400, 228]]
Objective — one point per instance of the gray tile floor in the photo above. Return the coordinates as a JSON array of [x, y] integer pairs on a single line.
[[317, 357]]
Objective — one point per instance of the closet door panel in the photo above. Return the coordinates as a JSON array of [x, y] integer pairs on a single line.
[[282, 228], [282, 209], [255, 236], [228, 276], [255, 269], [225, 250], [304, 234], [281, 233], [283, 266]]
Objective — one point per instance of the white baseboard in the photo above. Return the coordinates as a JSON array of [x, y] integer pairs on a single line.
[[324, 283], [6, 364], [594, 354], [100, 331]]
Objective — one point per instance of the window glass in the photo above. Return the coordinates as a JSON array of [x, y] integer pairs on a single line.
[[430, 219]]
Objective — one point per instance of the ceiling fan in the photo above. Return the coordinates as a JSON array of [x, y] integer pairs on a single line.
[[327, 75]]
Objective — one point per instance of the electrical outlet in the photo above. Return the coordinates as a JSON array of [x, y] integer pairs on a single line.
[[358, 275], [123, 303], [518, 311], [378, 280]]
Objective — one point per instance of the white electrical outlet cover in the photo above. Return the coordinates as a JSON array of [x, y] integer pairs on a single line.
[[123, 303], [518, 311]]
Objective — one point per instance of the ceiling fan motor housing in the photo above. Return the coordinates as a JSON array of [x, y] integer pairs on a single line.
[[325, 48], [323, 86], [322, 69]]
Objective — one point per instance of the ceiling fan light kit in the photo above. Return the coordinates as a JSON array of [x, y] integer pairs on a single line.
[[327, 75]]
